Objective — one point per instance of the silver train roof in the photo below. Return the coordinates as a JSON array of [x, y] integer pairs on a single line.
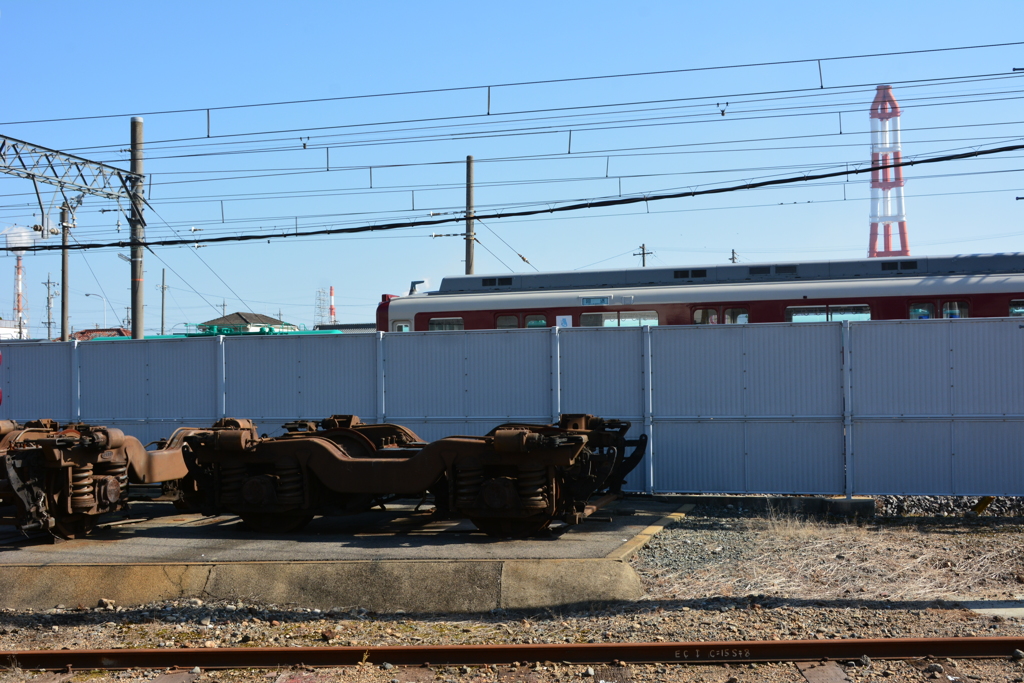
[[966, 264]]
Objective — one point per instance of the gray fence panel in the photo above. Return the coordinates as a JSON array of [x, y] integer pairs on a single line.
[[903, 457], [601, 371], [113, 380], [704, 455], [182, 380], [697, 371], [337, 375], [987, 455], [37, 382], [791, 370], [901, 368], [261, 377], [799, 457], [424, 375], [988, 367], [508, 374]]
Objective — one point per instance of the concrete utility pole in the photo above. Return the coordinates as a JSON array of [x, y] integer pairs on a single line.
[[138, 229], [734, 257], [470, 235], [65, 226], [643, 253], [163, 299], [49, 306]]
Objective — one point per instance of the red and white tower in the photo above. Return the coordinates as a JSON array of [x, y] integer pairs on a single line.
[[334, 312], [887, 183]]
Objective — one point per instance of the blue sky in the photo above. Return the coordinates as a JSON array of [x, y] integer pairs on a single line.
[[656, 133]]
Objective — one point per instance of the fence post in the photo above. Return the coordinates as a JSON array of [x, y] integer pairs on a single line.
[[76, 388], [556, 376], [381, 405], [648, 407], [846, 369], [220, 406]]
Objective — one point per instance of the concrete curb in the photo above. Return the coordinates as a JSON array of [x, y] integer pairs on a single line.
[[379, 585]]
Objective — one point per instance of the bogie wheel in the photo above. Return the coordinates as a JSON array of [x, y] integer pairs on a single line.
[[497, 527], [275, 523]]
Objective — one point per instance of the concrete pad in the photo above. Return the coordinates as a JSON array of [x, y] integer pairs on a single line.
[[398, 560], [1001, 608]]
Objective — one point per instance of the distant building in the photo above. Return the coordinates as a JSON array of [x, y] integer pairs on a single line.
[[86, 335], [247, 322], [348, 328]]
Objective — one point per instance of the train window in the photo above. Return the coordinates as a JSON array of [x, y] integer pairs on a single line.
[[594, 301], [908, 265], [507, 322], [599, 320], [700, 272], [705, 316], [955, 309], [1017, 308], [536, 321], [890, 265], [488, 282], [504, 281], [735, 316], [760, 270], [400, 326], [437, 324], [638, 318], [806, 314], [681, 274], [785, 270], [922, 311], [853, 312]]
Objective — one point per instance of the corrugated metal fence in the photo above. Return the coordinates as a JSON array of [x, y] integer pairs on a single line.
[[923, 407]]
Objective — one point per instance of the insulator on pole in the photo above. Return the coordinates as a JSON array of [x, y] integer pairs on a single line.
[[886, 183]]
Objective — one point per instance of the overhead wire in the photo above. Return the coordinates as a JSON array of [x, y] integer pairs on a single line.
[[522, 83], [596, 203]]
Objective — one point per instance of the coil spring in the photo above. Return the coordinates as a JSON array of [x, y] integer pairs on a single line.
[[119, 471], [289, 483], [231, 478], [467, 485], [82, 487], [532, 485]]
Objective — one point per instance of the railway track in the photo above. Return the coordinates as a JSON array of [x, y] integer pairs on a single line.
[[478, 655]]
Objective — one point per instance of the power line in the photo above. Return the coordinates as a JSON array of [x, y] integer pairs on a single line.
[[520, 83], [645, 198]]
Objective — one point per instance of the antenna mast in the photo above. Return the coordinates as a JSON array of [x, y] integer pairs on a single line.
[[887, 183]]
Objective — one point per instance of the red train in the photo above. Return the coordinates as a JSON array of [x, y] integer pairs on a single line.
[[978, 286]]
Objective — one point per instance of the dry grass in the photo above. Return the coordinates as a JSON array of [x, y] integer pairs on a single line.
[[789, 557]]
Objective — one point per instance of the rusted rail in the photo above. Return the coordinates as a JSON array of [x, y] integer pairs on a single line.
[[588, 653]]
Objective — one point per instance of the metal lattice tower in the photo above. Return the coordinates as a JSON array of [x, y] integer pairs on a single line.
[[887, 183], [320, 312]]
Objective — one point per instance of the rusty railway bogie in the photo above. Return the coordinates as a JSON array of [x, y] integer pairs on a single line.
[[61, 480], [512, 482]]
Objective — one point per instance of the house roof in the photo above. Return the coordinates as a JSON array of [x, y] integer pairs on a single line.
[[238, 318]]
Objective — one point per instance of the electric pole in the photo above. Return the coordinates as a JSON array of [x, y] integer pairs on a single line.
[[470, 236], [49, 306], [734, 257], [65, 227], [163, 298], [643, 253], [138, 229]]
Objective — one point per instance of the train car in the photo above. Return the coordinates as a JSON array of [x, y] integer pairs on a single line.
[[976, 285]]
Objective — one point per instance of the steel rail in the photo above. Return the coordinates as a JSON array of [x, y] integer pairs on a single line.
[[453, 655]]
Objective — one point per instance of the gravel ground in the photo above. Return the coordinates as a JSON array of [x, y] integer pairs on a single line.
[[721, 573]]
